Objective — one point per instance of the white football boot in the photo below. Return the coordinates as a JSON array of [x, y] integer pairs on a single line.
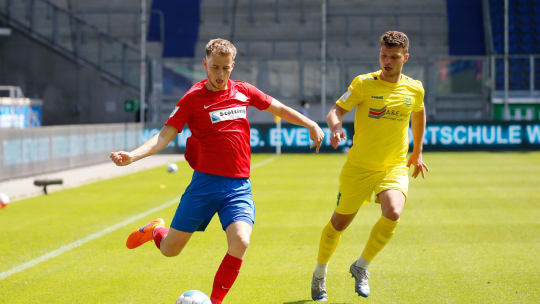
[[361, 277]]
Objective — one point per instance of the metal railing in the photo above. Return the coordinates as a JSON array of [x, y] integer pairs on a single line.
[[457, 88], [74, 37], [524, 74]]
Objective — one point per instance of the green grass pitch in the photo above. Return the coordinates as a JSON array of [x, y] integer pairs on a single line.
[[470, 233]]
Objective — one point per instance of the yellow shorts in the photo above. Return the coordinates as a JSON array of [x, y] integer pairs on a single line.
[[357, 185]]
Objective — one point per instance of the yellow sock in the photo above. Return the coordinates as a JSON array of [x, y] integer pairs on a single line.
[[381, 233], [329, 241]]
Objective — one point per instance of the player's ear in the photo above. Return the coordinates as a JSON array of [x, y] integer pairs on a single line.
[[232, 66], [204, 63], [405, 57]]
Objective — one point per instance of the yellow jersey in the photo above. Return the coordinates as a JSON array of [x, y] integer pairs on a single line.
[[381, 123]]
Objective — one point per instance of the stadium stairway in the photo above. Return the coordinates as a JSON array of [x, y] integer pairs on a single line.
[[60, 58], [117, 18]]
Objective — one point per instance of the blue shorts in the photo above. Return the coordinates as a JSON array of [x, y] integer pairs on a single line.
[[207, 194]]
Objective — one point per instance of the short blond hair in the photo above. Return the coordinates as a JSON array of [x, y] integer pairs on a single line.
[[395, 38], [221, 47]]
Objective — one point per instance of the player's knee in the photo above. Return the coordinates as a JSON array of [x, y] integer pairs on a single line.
[[243, 243], [340, 225], [393, 214], [341, 222], [240, 244]]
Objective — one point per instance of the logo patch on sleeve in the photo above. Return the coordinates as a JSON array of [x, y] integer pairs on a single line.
[[241, 97], [228, 114], [174, 111], [345, 96]]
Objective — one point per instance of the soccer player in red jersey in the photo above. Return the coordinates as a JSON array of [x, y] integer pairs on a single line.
[[215, 110]]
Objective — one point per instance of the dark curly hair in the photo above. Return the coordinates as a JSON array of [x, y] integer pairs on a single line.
[[395, 38]]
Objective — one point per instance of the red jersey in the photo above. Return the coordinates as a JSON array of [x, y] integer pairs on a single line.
[[220, 140]]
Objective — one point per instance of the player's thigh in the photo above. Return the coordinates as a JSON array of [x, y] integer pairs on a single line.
[[238, 205], [193, 214], [198, 204], [356, 187], [396, 178], [174, 242], [391, 192]]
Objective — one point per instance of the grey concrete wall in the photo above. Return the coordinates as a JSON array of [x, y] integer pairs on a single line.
[[72, 93], [26, 152]]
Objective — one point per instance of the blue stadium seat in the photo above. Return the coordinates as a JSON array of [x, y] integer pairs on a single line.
[[524, 9], [524, 26], [514, 48], [529, 48], [498, 30]]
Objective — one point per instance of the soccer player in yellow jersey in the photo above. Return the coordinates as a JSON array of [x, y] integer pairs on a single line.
[[377, 162]]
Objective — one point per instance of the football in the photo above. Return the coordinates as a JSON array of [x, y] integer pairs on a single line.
[[172, 168], [193, 297], [4, 200]]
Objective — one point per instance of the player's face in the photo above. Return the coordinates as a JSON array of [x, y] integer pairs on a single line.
[[391, 60], [218, 69]]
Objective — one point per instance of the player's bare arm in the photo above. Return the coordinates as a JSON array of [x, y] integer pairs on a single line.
[[315, 132], [418, 125], [334, 119], [155, 144]]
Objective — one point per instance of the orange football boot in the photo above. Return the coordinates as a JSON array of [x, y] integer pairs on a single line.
[[143, 234]]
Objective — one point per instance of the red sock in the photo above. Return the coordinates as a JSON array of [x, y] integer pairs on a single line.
[[158, 234], [225, 277]]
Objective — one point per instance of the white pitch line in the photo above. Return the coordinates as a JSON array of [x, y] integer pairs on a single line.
[[264, 162], [80, 242]]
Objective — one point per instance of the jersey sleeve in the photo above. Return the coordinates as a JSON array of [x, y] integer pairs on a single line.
[[353, 96], [419, 100], [179, 115], [257, 98]]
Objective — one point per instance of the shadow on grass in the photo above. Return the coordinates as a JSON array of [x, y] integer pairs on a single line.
[[310, 301]]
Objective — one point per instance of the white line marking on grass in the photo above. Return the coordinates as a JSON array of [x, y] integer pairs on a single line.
[[80, 242], [83, 241], [264, 162]]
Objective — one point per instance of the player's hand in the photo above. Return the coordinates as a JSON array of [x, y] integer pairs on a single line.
[[419, 165], [337, 135], [317, 135], [121, 158]]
